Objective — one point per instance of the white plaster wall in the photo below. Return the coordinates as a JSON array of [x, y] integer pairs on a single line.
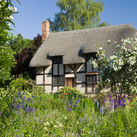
[[48, 89], [55, 69], [81, 68], [68, 69], [39, 70], [80, 77], [69, 75], [48, 69], [55, 89], [95, 69], [61, 70], [89, 67], [89, 90], [48, 79], [81, 88], [39, 79]]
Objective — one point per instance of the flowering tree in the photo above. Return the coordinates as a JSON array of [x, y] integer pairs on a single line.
[[119, 71], [6, 54]]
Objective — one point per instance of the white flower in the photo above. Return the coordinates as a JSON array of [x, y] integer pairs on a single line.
[[14, 9], [94, 63], [45, 128], [121, 61], [109, 41], [55, 126], [8, 24], [113, 57], [60, 125], [47, 123], [65, 117], [116, 42], [10, 17], [100, 48]]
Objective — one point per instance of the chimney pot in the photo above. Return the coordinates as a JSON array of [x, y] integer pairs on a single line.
[[45, 29]]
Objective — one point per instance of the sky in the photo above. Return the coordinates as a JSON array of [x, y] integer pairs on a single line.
[[28, 21]]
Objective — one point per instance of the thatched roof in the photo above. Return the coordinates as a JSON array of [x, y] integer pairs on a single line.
[[70, 44]]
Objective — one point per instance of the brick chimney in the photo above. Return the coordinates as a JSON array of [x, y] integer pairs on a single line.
[[45, 29]]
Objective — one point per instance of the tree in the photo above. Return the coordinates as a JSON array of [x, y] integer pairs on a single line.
[[24, 57], [37, 41], [77, 14], [18, 43], [119, 71], [6, 53]]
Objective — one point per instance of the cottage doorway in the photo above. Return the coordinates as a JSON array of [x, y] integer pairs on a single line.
[[70, 82]]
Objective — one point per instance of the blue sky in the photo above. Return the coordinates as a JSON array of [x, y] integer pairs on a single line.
[[32, 12]]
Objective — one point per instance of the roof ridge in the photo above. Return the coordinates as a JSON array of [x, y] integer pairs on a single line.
[[94, 29]]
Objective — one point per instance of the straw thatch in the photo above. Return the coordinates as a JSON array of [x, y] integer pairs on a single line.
[[72, 44]]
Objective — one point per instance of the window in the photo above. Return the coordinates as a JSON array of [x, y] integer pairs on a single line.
[[92, 79], [58, 80], [57, 60]]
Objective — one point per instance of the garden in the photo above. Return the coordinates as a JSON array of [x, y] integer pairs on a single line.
[[29, 112]]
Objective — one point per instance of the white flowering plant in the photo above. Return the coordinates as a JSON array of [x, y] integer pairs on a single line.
[[119, 71]]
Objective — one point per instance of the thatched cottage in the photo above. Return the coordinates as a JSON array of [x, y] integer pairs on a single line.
[[63, 58]]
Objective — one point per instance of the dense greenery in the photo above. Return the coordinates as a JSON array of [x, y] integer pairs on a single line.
[[119, 71], [18, 43], [6, 54], [77, 14], [46, 115]]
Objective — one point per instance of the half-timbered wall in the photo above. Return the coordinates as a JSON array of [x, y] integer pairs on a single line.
[[54, 77]]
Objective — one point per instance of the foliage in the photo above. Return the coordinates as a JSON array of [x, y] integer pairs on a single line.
[[25, 49], [6, 63], [48, 116], [22, 66], [119, 70], [18, 84], [18, 43], [37, 41], [6, 53], [77, 14]]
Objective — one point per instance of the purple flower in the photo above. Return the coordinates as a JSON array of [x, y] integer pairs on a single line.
[[77, 102], [112, 105], [120, 103], [14, 99], [69, 109], [23, 107], [104, 100], [81, 119], [23, 93], [110, 98], [28, 99], [97, 104], [18, 106], [18, 93], [101, 110], [29, 109], [117, 102], [74, 105], [124, 103], [33, 96], [23, 100]]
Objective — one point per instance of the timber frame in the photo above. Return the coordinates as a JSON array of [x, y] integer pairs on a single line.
[[73, 73]]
